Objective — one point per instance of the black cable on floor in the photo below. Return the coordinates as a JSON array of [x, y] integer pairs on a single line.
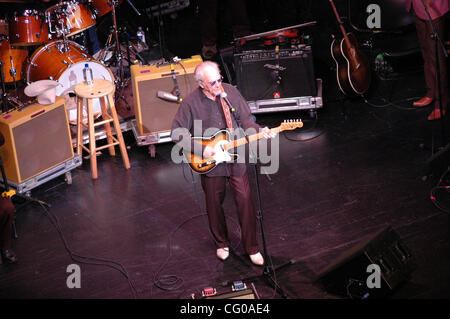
[[86, 259], [439, 187], [173, 282]]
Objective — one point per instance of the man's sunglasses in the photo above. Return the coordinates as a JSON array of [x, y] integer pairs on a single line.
[[216, 81]]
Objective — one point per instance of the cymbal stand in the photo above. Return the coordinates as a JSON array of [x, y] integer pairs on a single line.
[[120, 82], [4, 95]]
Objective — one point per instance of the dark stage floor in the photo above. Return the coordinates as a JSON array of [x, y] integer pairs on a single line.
[[354, 170]]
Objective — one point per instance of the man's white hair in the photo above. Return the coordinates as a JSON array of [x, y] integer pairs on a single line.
[[199, 72]]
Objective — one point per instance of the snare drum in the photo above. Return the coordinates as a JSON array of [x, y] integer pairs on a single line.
[[64, 62], [13, 59], [69, 18], [102, 7], [28, 28]]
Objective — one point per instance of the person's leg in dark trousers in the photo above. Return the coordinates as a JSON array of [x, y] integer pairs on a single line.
[[246, 212], [424, 48], [428, 48], [214, 188]]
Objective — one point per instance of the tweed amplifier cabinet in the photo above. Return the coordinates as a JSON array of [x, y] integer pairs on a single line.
[[154, 114], [37, 139], [278, 80]]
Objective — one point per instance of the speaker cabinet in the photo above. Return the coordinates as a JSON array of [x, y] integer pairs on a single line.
[[268, 74], [153, 114], [37, 138], [347, 275]]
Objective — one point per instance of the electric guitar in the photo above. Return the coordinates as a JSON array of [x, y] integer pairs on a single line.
[[352, 67], [222, 145]]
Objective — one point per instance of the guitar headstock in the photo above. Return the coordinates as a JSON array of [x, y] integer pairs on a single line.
[[291, 124]]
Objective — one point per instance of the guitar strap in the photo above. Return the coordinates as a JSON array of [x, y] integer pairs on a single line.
[[226, 112]]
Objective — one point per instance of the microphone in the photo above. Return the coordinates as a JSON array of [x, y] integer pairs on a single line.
[[224, 95], [168, 97]]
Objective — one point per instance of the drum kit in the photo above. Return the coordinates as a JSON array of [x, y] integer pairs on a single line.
[[41, 46]]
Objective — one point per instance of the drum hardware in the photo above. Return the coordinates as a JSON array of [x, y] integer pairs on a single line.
[[12, 71], [5, 99], [120, 82], [69, 18], [63, 46], [4, 94]]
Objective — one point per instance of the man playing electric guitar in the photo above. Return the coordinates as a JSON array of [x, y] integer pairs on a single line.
[[208, 104]]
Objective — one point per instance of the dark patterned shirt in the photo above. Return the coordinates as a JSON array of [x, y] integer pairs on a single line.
[[209, 118]]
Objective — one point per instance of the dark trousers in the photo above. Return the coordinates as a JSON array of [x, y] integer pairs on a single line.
[[6, 220], [214, 188], [427, 46]]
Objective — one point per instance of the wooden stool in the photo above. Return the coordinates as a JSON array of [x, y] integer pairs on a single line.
[[102, 90]]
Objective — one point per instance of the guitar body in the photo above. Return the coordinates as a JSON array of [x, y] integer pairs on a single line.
[[221, 144], [205, 165], [352, 67]]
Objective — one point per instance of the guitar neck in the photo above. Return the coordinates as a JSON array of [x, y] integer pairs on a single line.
[[244, 140], [341, 24]]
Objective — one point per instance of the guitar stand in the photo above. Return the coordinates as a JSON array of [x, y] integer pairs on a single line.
[[315, 130]]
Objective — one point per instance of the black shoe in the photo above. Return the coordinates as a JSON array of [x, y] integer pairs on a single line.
[[9, 256]]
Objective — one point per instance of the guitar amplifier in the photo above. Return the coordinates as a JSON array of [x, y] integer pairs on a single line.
[[278, 80], [38, 145], [154, 115]]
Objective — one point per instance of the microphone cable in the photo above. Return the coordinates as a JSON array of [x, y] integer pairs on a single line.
[[87, 259]]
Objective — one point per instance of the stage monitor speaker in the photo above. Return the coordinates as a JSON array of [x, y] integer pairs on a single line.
[[37, 138], [347, 275], [259, 72], [153, 114]]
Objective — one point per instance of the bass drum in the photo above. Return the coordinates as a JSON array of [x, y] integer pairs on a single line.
[[13, 60], [64, 62]]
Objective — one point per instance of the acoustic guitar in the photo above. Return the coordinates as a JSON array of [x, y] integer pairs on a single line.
[[352, 67], [222, 145]]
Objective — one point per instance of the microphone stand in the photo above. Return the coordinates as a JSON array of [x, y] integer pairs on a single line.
[[268, 271]]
